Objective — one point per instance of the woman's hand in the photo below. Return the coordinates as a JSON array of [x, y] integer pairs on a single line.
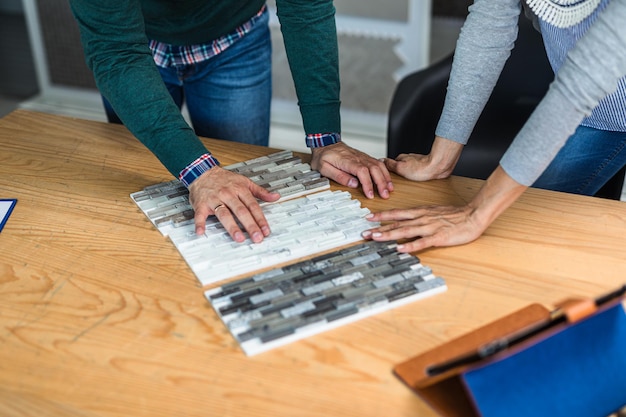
[[428, 226], [438, 164], [447, 225]]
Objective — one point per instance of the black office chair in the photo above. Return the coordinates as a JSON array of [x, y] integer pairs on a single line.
[[418, 100]]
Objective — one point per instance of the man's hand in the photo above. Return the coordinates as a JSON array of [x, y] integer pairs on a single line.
[[351, 167], [230, 197]]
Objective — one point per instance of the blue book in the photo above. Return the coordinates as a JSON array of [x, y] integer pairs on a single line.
[[568, 362], [6, 207]]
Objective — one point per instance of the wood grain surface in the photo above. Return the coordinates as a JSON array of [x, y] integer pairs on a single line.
[[100, 315]]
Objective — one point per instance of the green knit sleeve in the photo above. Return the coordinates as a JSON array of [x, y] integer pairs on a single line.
[[116, 50], [310, 35]]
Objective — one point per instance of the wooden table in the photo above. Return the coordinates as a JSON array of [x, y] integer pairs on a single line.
[[100, 315]]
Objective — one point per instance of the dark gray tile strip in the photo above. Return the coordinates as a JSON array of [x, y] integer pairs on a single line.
[[269, 309]]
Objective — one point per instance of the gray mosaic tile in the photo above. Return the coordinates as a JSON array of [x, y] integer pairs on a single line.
[[167, 205], [280, 306], [300, 227], [307, 219]]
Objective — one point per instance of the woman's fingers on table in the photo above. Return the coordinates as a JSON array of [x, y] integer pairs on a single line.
[[423, 227]]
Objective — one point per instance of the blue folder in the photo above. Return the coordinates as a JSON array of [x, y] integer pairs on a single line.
[[567, 362], [6, 208]]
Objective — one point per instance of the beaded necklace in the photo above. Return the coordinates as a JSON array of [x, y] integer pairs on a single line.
[[563, 13]]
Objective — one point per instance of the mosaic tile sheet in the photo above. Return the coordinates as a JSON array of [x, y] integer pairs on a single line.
[[282, 305], [167, 205], [300, 227], [307, 219]]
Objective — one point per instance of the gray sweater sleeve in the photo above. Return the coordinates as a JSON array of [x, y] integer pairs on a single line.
[[482, 49], [590, 72]]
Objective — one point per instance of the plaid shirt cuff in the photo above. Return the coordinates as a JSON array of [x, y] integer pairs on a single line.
[[197, 168], [319, 140]]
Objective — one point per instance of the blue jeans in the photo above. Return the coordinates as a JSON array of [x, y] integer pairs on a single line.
[[588, 160], [228, 96]]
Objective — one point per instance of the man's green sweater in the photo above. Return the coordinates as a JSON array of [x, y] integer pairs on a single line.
[[115, 34]]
